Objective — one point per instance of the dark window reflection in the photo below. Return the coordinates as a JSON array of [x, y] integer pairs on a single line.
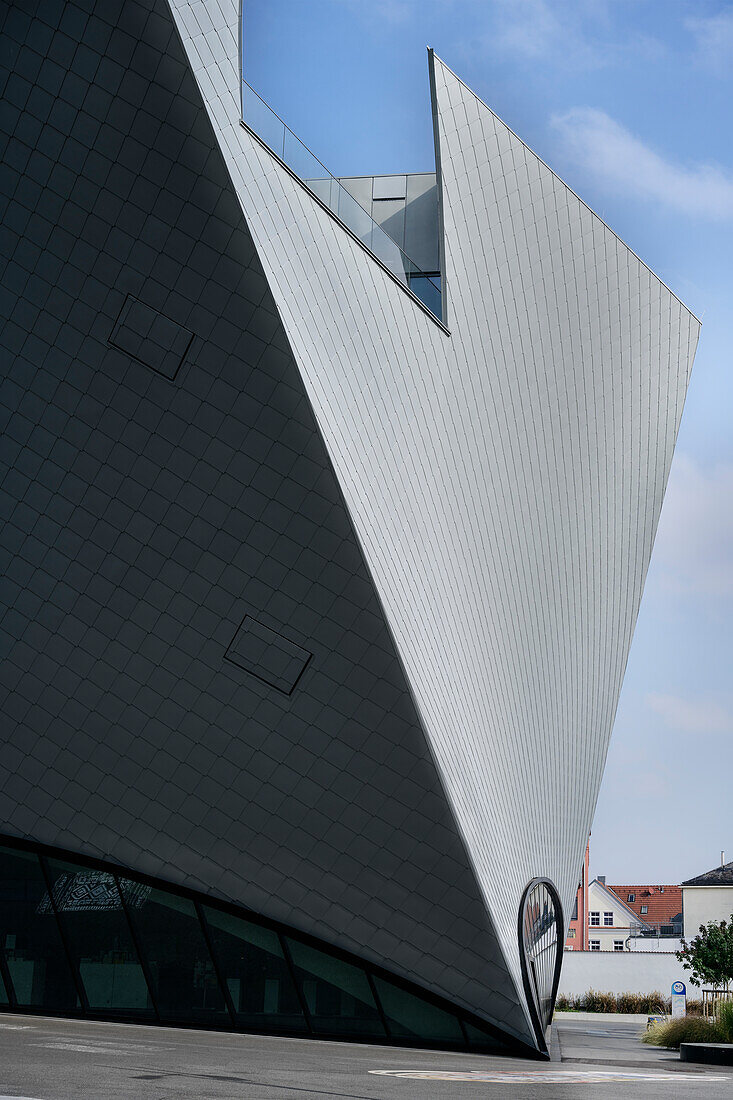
[[411, 1017], [427, 289], [29, 936], [198, 963], [91, 914], [338, 995], [479, 1039], [251, 962], [178, 960]]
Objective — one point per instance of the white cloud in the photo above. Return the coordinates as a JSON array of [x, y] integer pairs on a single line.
[[692, 715], [693, 552], [714, 40], [576, 35], [600, 145]]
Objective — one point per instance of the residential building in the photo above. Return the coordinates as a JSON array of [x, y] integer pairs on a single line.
[[610, 921], [321, 567], [708, 897], [660, 910]]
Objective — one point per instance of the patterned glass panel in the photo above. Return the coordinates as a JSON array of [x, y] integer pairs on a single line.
[[90, 910]]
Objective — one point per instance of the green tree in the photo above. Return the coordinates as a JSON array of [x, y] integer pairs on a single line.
[[709, 956]]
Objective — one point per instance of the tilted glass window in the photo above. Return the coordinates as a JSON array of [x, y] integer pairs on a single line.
[[29, 937], [337, 995], [250, 960], [94, 924], [411, 1016], [178, 960], [479, 1039], [77, 938]]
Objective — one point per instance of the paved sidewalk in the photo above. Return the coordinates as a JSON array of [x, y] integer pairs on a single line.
[[609, 1039], [50, 1059]]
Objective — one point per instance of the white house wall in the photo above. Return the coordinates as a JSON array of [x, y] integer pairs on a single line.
[[702, 904], [621, 972]]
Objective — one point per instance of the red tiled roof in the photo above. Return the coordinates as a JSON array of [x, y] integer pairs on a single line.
[[663, 903]]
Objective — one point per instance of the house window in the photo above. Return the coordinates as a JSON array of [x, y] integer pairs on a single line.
[[644, 910], [661, 889], [595, 945], [575, 909], [571, 933], [618, 945], [608, 920], [631, 898], [595, 919]]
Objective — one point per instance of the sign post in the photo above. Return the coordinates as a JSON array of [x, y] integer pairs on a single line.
[[679, 999]]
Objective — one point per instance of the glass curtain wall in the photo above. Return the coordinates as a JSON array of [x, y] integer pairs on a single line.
[[269, 127], [78, 939]]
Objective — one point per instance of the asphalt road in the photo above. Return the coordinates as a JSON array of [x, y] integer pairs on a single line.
[[46, 1059]]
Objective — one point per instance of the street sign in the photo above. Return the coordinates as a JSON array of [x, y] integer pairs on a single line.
[[679, 999]]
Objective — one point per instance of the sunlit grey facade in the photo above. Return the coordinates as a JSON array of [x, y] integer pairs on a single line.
[[328, 507]]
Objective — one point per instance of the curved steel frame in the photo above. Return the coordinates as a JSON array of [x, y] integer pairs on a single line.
[[529, 989]]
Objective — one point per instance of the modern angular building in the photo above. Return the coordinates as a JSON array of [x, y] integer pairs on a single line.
[[327, 509]]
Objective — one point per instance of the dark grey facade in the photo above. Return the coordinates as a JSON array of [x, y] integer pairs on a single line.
[[198, 681]]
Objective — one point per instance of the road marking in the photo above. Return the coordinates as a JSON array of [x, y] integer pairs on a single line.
[[93, 1046], [539, 1077]]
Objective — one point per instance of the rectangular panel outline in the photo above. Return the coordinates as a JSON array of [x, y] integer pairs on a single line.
[[246, 668], [129, 298]]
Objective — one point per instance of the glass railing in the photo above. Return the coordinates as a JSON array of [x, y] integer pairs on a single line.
[[270, 128]]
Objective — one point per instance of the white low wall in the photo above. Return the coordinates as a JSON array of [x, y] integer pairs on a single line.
[[621, 972]]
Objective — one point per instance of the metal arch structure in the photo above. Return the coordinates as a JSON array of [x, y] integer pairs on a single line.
[[445, 527], [541, 936]]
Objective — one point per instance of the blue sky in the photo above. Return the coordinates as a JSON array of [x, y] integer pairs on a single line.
[[631, 102]]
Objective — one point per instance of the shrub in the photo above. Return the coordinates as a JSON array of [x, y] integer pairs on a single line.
[[654, 1002], [599, 1002], [685, 1029], [594, 1001], [724, 1019]]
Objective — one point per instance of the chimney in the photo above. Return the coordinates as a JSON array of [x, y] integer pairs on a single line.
[[722, 859], [602, 878]]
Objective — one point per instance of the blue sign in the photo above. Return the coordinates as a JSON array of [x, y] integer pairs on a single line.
[[679, 999]]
